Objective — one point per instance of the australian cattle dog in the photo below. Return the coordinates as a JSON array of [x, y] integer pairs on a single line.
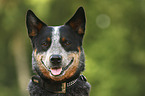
[[58, 57]]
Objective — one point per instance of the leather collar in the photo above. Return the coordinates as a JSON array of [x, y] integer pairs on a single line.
[[52, 87]]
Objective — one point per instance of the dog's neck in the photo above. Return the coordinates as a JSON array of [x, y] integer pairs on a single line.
[[52, 87]]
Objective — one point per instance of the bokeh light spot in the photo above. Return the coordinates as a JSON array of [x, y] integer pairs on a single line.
[[103, 21]]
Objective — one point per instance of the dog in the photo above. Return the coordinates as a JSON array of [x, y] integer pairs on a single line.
[[58, 57]]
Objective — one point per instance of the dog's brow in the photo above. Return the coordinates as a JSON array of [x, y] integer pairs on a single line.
[[48, 39], [63, 39]]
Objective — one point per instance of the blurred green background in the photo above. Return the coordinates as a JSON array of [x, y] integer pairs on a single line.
[[114, 43]]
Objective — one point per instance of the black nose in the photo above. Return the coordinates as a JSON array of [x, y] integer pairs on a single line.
[[55, 59]]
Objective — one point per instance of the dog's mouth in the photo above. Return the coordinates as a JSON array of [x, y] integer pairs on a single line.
[[57, 71]]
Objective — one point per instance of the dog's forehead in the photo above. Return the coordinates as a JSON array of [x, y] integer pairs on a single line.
[[46, 32], [52, 31], [63, 31], [68, 33], [49, 32], [57, 32]]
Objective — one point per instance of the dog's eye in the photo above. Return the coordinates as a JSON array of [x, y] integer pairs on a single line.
[[44, 44], [66, 42]]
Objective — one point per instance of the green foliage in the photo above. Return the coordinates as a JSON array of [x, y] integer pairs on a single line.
[[114, 42]]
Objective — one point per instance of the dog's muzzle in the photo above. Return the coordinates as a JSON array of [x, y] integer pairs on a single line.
[[56, 69]]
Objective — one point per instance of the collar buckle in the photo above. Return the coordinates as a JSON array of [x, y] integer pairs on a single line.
[[63, 87]]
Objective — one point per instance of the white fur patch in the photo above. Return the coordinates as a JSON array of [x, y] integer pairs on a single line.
[[56, 49]]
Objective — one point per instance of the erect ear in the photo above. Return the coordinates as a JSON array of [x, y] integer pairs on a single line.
[[78, 21], [34, 24]]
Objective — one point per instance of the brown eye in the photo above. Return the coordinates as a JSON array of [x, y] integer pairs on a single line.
[[44, 44], [67, 43]]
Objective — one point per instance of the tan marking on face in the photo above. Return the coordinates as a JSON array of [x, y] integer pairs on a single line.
[[35, 51], [42, 68], [44, 71], [63, 39], [79, 49], [36, 81], [48, 39]]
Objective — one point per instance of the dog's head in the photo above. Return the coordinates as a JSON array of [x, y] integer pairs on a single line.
[[57, 50]]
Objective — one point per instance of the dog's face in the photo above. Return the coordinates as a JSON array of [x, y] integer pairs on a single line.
[[57, 50]]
